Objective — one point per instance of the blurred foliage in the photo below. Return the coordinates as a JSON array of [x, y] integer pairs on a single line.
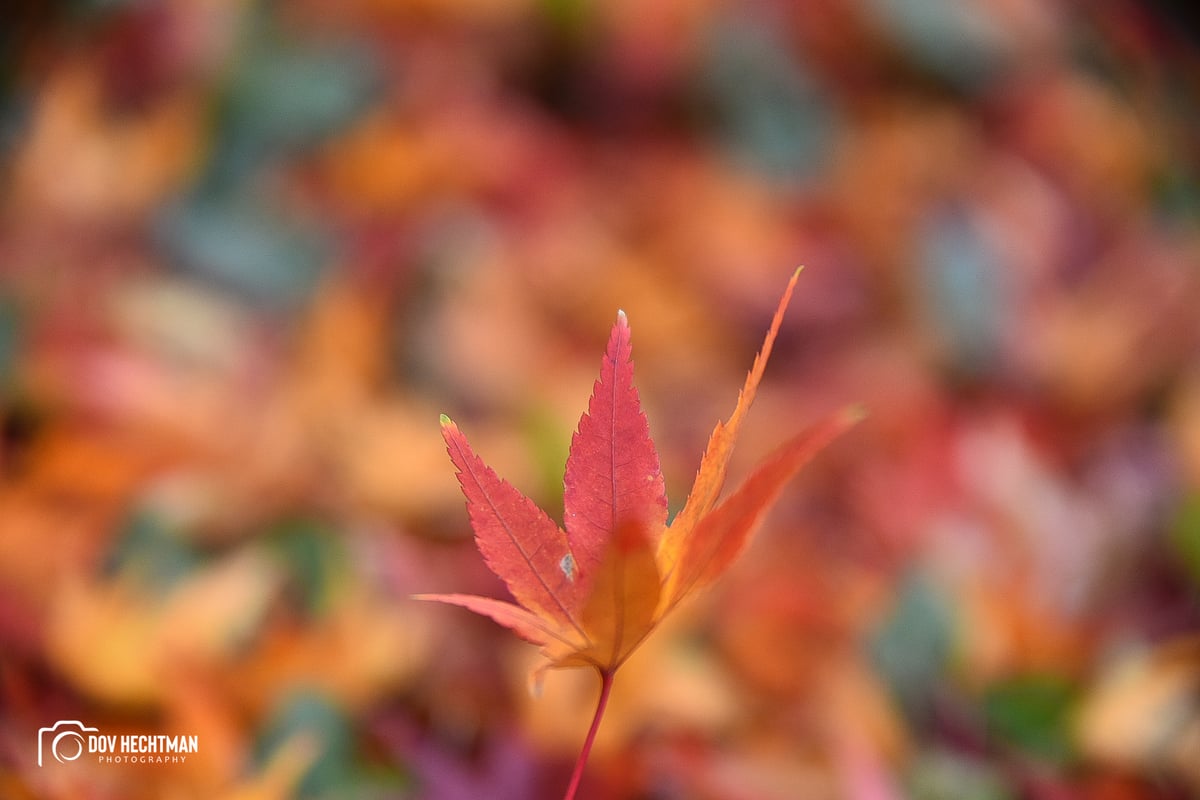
[[942, 776], [1185, 535], [912, 648], [1032, 712], [250, 250]]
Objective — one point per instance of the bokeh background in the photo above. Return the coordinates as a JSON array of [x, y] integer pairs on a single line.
[[250, 250]]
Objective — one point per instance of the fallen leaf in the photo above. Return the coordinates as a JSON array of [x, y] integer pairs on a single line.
[[1142, 712]]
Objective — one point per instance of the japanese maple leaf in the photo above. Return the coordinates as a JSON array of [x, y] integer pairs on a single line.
[[590, 591]]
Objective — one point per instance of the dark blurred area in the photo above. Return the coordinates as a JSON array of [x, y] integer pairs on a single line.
[[250, 250]]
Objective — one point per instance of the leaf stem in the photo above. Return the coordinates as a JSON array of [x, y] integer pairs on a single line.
[[606, 682]]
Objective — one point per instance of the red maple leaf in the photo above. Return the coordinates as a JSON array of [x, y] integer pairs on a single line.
[[589, 594]]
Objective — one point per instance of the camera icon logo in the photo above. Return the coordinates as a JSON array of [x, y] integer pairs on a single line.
[[65, 745]]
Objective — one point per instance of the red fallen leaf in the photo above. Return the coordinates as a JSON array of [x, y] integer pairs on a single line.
[[590, 594]]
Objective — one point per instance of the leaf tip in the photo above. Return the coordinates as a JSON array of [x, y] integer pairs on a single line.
[[796, 274], [621, 317], [446, 421]]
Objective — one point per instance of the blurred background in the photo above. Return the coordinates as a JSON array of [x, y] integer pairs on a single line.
[[250, 250]]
